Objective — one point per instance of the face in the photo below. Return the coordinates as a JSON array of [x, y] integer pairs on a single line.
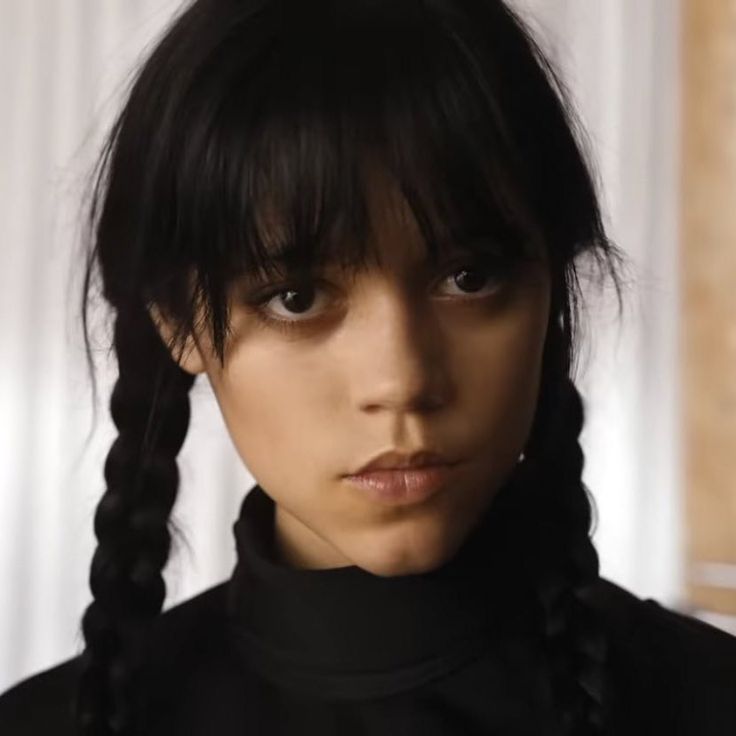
[[356, 374]]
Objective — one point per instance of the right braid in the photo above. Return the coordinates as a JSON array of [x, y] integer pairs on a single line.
[[150, 408]]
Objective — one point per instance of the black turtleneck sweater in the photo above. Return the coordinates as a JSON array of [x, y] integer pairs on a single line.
[[277, 650]]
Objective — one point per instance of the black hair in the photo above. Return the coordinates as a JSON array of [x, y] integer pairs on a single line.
[[247, 108]]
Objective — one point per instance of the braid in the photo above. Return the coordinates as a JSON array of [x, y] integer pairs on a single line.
[[150, 408], [563, 560]]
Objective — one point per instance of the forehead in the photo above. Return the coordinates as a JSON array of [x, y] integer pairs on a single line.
[[375, 219], [390, 229]]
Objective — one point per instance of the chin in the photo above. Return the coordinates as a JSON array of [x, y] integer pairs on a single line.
[[404, 560]]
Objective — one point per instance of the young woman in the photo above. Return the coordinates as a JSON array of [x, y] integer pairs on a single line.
[[361, 220]]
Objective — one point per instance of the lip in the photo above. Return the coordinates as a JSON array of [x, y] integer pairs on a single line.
[[397, 460], [399, 487]]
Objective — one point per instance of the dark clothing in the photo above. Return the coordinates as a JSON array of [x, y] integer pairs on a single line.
[[278, 650]]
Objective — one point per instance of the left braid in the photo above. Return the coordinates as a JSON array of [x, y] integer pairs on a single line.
[[558, 553]]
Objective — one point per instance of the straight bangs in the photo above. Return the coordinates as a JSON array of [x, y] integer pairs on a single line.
[[251, 136]]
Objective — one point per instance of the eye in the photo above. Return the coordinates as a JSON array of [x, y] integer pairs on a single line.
[[473, 276], [476, 278], [297, 299]]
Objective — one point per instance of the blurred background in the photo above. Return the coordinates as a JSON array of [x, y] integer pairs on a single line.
[[653, 82]]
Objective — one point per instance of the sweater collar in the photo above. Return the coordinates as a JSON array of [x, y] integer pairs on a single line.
[[346, 633]]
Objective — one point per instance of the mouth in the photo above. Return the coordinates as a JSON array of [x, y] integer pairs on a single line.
[[402, 486]]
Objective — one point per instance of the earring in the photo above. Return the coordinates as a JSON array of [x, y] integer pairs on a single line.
[[521, 458]]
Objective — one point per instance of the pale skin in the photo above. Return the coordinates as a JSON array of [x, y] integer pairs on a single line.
[[305, 407]]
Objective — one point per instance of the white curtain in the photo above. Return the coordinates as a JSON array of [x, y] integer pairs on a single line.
[[63, 66]]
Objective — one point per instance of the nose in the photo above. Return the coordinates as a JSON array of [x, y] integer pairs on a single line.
[[400, 360]]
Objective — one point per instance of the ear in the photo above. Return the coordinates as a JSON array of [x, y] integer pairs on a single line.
[[191, 359]]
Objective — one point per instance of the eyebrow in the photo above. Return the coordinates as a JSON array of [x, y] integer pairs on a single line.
[[289, 253]]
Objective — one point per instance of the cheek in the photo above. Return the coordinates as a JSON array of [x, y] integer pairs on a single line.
[[271, 410], [501, 382]]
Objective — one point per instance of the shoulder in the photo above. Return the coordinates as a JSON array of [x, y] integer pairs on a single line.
[[664, 631], [667, 662], [42, 703]]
